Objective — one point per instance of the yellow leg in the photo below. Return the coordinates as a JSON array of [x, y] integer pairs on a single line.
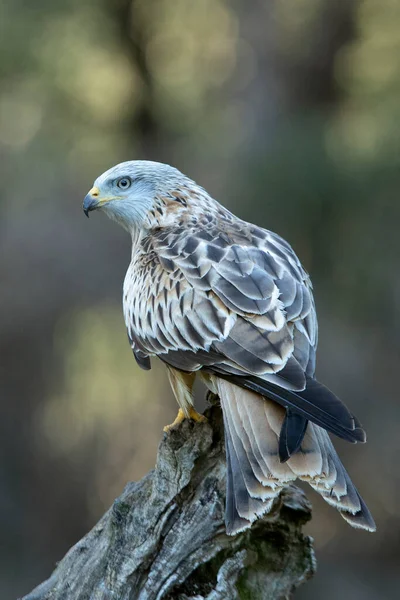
[[193, 414]]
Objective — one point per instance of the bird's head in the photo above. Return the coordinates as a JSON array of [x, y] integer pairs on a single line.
[[129, 192]]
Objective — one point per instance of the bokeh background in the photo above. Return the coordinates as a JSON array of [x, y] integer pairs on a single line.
[[286, 111]]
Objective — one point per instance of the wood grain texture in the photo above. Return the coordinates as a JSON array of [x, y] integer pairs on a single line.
[[164, 537]]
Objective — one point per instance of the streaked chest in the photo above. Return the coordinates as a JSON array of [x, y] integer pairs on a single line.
[[142, 285]]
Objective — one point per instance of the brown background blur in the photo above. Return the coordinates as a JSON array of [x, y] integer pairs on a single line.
[[288, 112]]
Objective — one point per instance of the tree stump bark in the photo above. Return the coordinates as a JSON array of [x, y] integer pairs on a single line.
[[164, 537]]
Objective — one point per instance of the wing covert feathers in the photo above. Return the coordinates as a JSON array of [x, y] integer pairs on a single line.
[[255, 473]]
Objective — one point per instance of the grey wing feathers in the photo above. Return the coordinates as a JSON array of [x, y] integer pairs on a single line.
[[141, 358], [258, 279], [316, 403]]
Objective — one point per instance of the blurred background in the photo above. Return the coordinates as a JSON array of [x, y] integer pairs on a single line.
[[288, 113]]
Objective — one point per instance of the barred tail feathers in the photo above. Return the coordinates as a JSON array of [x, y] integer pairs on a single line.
[[255, 473]]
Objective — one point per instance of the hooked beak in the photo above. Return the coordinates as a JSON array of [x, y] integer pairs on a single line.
[[91, 201]]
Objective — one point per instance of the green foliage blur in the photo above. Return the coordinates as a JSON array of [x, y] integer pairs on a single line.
[[286, 112]]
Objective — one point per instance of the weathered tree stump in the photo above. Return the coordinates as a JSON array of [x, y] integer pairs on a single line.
[[164, 537]]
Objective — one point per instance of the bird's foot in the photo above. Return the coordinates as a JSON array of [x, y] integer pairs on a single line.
[[181, 416]]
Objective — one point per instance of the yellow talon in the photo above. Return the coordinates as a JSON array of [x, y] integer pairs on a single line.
[[193, 414], [179, 418]]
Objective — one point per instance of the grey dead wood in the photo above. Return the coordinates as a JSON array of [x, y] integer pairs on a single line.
[[164, 537]]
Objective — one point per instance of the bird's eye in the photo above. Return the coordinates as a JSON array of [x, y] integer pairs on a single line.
[[124, 183]]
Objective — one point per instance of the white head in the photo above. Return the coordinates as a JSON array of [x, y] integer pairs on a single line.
[[128, 191]]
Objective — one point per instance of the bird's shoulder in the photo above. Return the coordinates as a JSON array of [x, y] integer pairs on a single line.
[[209, 238]]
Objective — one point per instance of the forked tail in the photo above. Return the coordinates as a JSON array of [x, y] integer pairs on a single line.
[[255, 474]]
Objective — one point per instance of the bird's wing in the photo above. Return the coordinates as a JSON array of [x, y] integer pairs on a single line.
[[233, 299], [251, 300]]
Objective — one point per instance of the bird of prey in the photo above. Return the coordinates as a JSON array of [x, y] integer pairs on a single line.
[[216, 297]]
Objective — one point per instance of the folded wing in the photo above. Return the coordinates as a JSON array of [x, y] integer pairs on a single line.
[[234, 300]]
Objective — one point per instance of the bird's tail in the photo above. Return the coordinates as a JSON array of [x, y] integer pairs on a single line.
[[255, 474]]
